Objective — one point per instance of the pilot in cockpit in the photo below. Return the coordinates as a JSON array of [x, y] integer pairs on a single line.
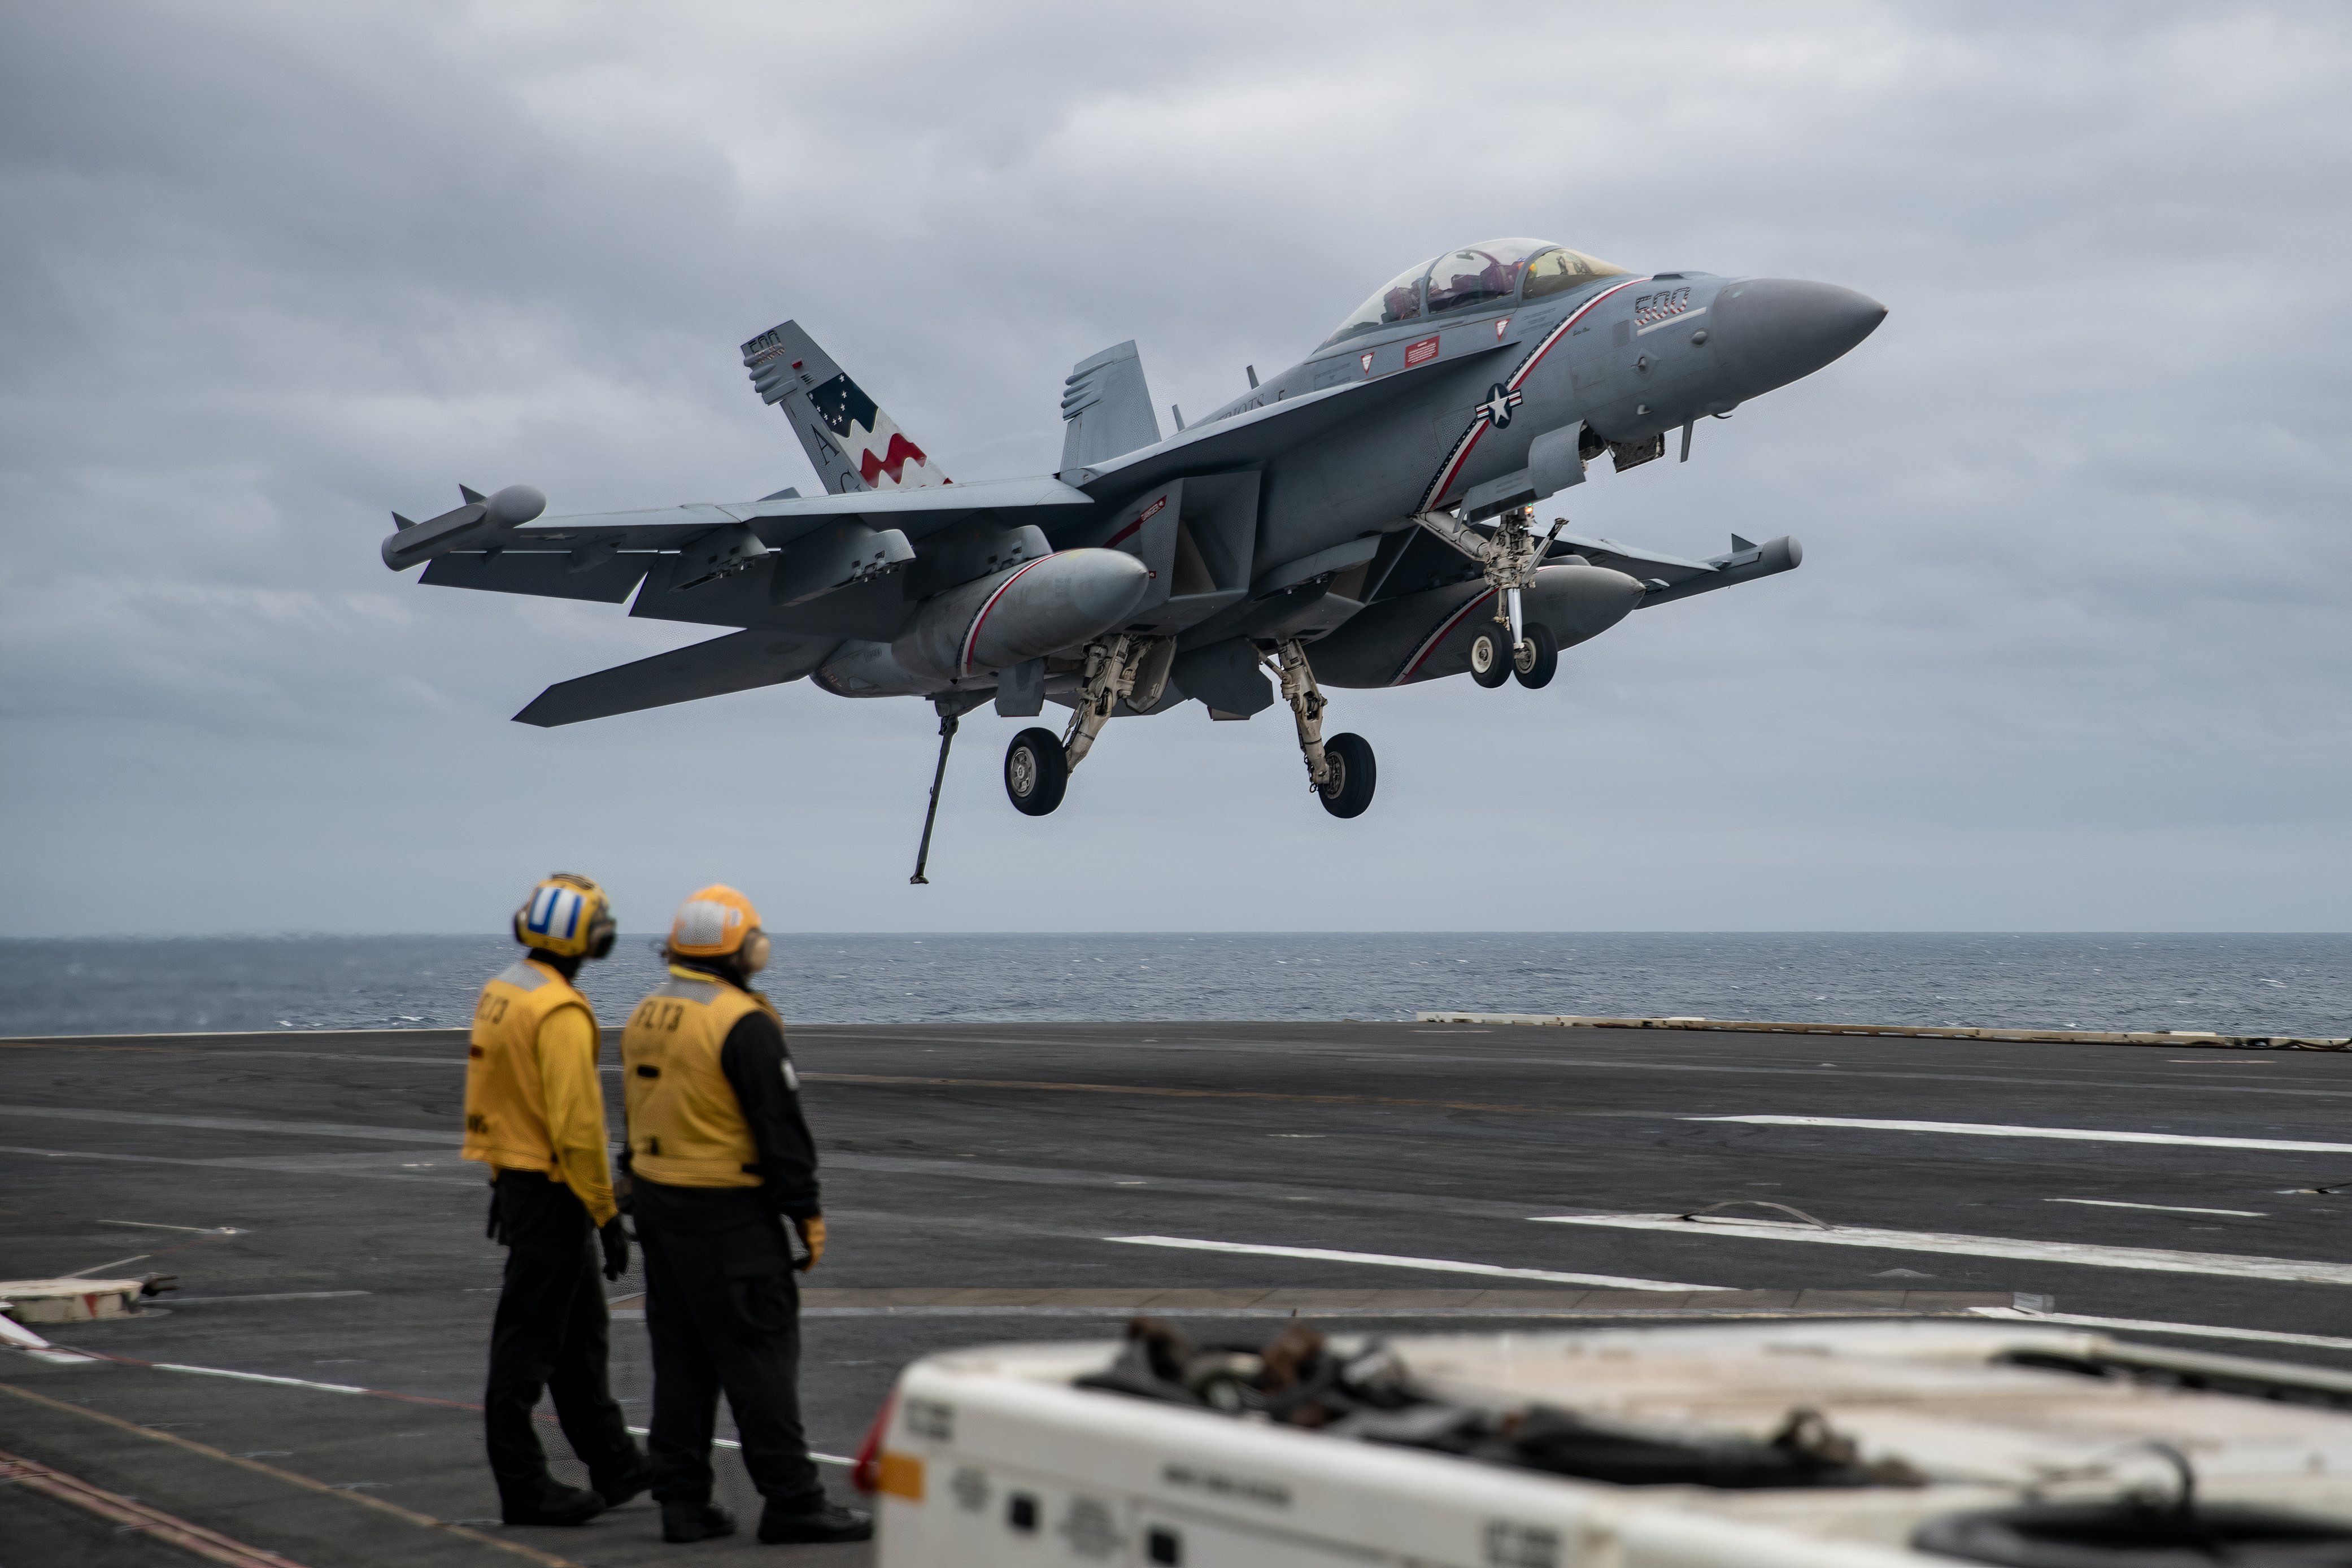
[[1460, 279]]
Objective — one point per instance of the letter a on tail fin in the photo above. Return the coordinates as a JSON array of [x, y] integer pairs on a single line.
[[855, 445]]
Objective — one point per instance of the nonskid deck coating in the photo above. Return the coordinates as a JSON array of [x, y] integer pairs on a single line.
[[977, 1176]]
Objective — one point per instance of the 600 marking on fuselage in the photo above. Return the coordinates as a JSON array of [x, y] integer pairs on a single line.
[[1658, 306]]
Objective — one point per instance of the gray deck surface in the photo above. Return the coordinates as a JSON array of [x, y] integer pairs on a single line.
[[974, 1174]]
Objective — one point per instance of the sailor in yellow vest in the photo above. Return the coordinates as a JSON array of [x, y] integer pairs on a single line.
[[535, 1115], [720, 1163]]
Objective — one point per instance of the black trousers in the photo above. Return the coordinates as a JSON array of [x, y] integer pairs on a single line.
[[551, 1332], [723, 1311]]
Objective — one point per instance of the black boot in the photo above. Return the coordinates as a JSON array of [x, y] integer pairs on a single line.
[[619, 1486], [810, 1522], [552, 1504], [684, 1522]]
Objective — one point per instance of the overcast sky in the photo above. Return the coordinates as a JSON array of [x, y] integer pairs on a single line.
[[2068, 650]]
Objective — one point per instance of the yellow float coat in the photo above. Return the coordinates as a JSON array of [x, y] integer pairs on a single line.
[[686, 1127], [534, 1101]]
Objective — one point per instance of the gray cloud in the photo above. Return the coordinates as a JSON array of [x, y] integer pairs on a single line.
[[2067, 650]]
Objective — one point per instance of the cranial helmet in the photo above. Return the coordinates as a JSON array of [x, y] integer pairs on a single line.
[[567, 915], [719, 922]]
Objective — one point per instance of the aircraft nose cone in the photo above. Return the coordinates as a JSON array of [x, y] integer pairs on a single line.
[[1775, 330]]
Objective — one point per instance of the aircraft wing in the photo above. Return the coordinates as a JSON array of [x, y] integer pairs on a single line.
[[737, 662], [781, 519], [1670, 577], [592, 539]]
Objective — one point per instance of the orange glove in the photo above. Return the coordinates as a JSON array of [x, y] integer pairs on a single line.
[[812, 1235]]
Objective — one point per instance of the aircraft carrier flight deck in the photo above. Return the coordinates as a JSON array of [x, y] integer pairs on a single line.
[[309, 1386]]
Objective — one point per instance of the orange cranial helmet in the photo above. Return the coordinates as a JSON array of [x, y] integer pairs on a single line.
[[719, 922]]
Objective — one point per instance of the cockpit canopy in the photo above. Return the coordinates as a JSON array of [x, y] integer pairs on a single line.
[[1489, 273]]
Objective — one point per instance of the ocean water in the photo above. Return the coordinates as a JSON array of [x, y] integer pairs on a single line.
[[2299, 984]]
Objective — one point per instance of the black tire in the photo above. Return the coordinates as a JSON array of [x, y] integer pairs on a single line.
[[1538, 657], [1490, 656], [1036, 772], [1353, 775]]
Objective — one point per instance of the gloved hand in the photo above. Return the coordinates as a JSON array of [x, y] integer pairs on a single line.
[[496, 1228], [616, 1248], [812, 1231]]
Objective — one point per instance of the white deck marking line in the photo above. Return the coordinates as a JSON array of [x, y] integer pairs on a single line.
[[1434, 1265], [2162, 1208], [731, 1443], [1998, 1129], [349, 1388], [265, 1164], [259, 1377], [197, 1229], [2147, 1326], [84, 1273], [179, 1301], [409, 1135], [2293, 1271], [17, 1336]]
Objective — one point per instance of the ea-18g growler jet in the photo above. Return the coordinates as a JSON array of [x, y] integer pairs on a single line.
[[1362, 519]]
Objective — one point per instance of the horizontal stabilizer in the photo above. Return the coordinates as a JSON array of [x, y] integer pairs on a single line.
[[734, 663]]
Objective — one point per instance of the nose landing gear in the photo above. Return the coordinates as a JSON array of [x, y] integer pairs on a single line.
[[1536, 659], [1490, 657], [1509, 559]]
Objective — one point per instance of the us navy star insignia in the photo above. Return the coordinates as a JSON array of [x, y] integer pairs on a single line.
[[1500, 401]]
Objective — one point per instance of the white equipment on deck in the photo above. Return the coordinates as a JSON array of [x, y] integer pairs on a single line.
[[1830, 1444], [73, 1300]]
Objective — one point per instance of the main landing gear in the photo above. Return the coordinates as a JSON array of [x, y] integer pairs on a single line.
[[1134, 670], [1036, 772], [1125, 668], [1341, 769]]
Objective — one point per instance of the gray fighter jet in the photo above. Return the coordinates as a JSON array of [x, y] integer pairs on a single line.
[[1362, 519]]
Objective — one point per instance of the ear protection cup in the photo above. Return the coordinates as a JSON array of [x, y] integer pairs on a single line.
[[755, 952], [713, 924], [567, 915]]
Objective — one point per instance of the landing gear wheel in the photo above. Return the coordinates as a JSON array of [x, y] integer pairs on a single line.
[[1490, 657], [1537, 659], [1348, 789], [1036, 772]]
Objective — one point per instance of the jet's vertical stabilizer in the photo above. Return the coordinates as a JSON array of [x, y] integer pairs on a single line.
[[1106, 409], [854, 445]]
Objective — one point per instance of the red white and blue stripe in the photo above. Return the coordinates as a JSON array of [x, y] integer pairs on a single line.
[[1450, 470], [971, 636]]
